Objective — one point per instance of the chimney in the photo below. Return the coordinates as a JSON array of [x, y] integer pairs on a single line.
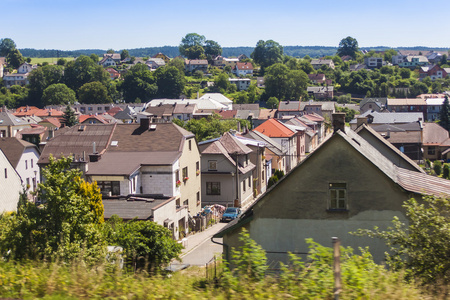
[[95, 156], [360, 121], [339, 122], [145, 123]]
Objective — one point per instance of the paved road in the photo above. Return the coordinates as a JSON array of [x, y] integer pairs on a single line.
[[200, 250]]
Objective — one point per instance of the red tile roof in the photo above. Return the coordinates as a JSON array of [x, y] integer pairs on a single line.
[[244, 66], [274, 128], [227, 114], [25, 111]]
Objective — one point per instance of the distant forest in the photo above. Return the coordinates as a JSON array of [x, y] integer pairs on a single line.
[[172, 51]]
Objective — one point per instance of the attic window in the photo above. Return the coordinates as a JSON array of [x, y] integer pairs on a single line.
[[82, 128], [114, 143], [152, 127]]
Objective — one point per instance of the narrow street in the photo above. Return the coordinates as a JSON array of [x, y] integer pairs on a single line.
[[199, 248]]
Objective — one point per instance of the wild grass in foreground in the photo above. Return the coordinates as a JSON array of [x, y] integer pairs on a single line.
[[38, 280]]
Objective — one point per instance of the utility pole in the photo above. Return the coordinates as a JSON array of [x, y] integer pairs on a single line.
[[337, 267]]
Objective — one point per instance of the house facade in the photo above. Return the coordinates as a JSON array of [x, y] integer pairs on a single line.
[[10, 185], [242, 84], [345, 185], [243, 69], [227, 172], [24, 157]]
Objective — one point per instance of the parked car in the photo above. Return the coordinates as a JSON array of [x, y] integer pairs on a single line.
[[230, 214]]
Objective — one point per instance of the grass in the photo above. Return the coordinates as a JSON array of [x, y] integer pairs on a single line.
[[50, 60], [37, 280]]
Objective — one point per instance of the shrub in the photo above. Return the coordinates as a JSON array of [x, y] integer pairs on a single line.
[[437, 167]]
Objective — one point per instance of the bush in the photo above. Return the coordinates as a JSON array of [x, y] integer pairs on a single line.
[[437, 167], [446, 173]]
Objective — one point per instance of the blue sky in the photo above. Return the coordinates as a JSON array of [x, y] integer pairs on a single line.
[[99, 24]]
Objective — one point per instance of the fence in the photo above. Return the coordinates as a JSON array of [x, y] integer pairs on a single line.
[[214, 269]]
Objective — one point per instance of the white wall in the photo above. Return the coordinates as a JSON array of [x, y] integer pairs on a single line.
[[27, 166], [10, 185]]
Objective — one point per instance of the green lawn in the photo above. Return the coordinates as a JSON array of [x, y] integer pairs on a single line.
[[50, 60]]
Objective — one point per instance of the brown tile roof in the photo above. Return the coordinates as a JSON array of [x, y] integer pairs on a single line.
[[54, 121], [125, 163], [167, 137], [422, 183], [265, 114], [114, 110], [181, 108], [314, 117], [226, 114], [161, 110], [78, 139], [406, 101], [434, 134], [83, 118], [13, 149]]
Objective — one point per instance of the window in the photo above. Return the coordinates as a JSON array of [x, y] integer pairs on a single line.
[[26, 164], [249, 183], [186, 202], [109, 187], [190, 145], [185, 174], [198, 198], [6, 173], [28, 183], [243, 185], [338, 195], [213, 188], [431, 150], [31, 163], [212, 165]]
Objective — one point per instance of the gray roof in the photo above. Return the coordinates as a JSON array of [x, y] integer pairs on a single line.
[[270, 143], [289, 106], [8, 119], [326, 105], [136, 206], [379, 101], [391, 118]]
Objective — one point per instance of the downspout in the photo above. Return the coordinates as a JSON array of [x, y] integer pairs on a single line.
[[225, 246]]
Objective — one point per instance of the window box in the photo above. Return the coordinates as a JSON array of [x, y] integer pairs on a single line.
[[178, 183], [185, 179]]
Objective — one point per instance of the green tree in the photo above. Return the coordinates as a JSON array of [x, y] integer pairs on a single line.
[[84, 70], [139, 82], [40, 79], [61, 62], [70, 119], [124, 54], [110, 51], [58, 94], [93, 92], [444, 119], [405, 73], [421, 248], [170, 82], [64, 226], [178, 63], [283, 83], [15, 58], [212, 49], [348, 46], [267, 53], [221, 83], [95, 58], [191, 40], [145, 243], [194, 52], [7, 45]]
